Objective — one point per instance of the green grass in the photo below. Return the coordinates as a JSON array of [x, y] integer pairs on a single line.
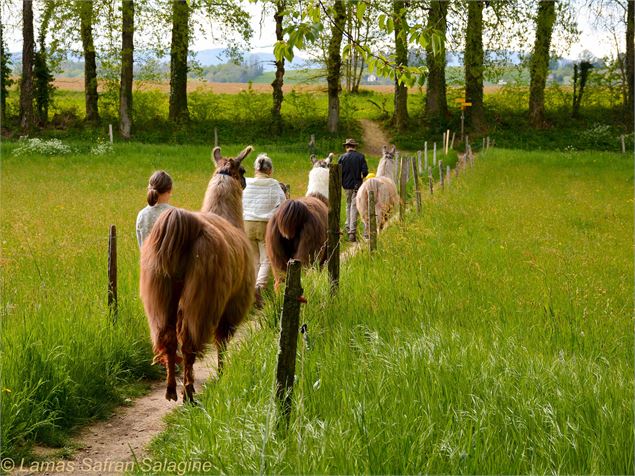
[[491, 335]]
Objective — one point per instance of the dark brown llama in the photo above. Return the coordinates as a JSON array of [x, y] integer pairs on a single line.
[[197, 274], [298, 228]]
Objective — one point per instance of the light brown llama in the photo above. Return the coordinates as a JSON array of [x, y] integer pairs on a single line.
[[386, 196], [197, 274]]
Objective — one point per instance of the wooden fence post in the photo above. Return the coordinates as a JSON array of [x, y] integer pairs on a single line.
[[372, 222], [441, 173], [110, 132], [398, 163], [312, 144], [487, 142], [215, 137], [447, 141], [333, 239], [448, 174], [430, 182], [434, 155], [417, 187], [289, 324], [419, 164], [425, 155], [452, 143], [623, 144], [402, 188], [112, 270]]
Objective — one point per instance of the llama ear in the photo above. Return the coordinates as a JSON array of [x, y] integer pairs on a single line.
[[244, 153], [216, 156], [383, 150], [330, 158], [394, 149], [313, 159]]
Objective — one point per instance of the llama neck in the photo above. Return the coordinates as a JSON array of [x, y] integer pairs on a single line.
[[386, 169], [224, 197]]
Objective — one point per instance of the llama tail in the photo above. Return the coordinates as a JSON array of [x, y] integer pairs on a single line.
[[291, 216], [164, 257], [170, 241]]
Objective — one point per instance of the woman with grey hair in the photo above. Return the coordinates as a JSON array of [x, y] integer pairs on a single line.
[[261, 197]]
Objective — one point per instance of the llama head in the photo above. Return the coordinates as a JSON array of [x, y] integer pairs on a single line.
[[231, 166], [324, 163], [388, 154]]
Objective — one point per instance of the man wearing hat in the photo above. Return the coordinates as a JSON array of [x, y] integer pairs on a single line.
[[354, 169]]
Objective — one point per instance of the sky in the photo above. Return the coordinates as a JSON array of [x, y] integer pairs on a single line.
[[597, 42]]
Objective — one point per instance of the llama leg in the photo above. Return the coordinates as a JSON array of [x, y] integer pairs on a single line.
[[235, 312], [188, 376], [170, 393]]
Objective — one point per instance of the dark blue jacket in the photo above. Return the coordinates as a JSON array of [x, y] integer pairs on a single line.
[[354, 169]]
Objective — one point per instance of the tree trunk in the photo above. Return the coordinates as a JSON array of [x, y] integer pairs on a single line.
[[127, 61], [178, 61], [539, 65], [400, 116], [26, 82], [42, 75], [630, 60], [278, 81], [473, 62], [5, 75], [334, 66], [90, 60], [436, 109]]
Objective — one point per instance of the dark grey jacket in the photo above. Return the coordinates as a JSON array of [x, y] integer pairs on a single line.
[[354, 169]]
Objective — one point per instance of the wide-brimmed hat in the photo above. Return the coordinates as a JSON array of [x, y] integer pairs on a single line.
[[351, 142]]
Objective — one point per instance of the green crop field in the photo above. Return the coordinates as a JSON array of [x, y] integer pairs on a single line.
[[491, 334]]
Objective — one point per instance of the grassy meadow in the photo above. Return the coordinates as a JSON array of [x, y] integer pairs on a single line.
[[493, 334]]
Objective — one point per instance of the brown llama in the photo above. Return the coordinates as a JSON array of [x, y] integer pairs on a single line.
[[197, 274], [297, 230]]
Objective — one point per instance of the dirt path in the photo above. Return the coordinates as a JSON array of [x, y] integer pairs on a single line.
[[106, 445], [374, 137]]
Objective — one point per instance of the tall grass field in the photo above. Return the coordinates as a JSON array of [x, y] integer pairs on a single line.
[[491, 334]]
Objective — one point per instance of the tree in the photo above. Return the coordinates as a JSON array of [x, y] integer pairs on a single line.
[[400, 116], [539, 63], [580, 76], [178, 111], [473, 62], [436, 108], [127, 61], [278, 81], [5, 74], [334, 65], [26, 82], [43, 76], [86, 15], [630, 60]]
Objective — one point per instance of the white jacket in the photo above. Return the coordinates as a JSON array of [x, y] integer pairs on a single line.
[[261, 197]]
